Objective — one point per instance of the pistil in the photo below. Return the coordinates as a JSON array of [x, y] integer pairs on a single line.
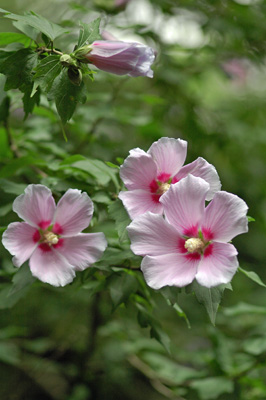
[[50, 238], [194, 244]]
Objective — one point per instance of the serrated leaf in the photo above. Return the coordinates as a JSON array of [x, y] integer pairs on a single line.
[[209, 297], [99, 170], [121, 286], [66, 95], [39, 23], [13, 37], [46, 72], [30, 101], [18, 68], [255, 345], [29, 31], [22, 279], [14, 165], [89, 32], [4, 100], [253, 276], [118, 213]]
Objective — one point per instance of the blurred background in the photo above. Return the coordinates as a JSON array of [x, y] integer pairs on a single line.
[[209, 88]]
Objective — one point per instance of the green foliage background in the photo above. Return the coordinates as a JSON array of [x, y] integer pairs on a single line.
[[91, 340]]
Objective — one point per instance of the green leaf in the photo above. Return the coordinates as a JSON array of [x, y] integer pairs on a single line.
[[211, 388], [39, 23], [4, 100], [9, 353], [21, 280], [118, 213], [12, 187], [99, 170], [243, 308], [170, 294], [253, 276], [121, 286], [18, 68], [5, 209], [89, 32], [15, 165], [209, 297], [255, 345], [30, 101], [46, 72], [29, 31], [66, 95], [12, 37]]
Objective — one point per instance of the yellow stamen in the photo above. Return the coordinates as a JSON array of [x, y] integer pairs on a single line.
[[163, 188], [194, 244], [50, 238]]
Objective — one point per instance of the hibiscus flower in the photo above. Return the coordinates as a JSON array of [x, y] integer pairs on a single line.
[[50, 237], [147, 176], [192, 241]]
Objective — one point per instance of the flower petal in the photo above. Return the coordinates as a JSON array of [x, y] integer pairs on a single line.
[[170, 269], [219, 266], [184, 204], [138, 202], [122, 58], [202, 169], [36, 205], [151, 235], [73, 213], [18, 240], [169, 154], [51, 267], [83, 250], [225, 217], [138, 170]]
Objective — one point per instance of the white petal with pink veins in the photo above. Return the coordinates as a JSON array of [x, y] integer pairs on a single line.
[[169, 270], [169, 154], [225, 217], [151, 235], [73, 213], [36, 205], [83, 250], [219, 266], [138, 170], [184, 204], [51, 267], [138, 202], [202, 169], [18, 240]]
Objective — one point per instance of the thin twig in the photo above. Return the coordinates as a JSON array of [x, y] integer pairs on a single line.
[[41, 50]]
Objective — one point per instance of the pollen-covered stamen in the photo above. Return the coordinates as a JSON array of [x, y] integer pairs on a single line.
[[163, 188], [194, 244], [50, 238]]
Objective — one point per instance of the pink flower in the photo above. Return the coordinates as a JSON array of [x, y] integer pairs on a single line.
[[149, 175], [50, 238], [122, 58], [192, 241]]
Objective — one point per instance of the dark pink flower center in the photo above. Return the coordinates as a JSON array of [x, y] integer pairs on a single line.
[[48, 236], [195, 244], [159, 186]]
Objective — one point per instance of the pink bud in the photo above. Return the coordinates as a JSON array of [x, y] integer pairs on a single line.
[[122, 58]]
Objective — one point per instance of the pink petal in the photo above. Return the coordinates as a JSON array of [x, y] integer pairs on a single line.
[[202, 169], [51, 267], [151, 235], [225, 217], [138, 170], [184, 204], [83, 250], [18, 240], [122, 58], [73, 213], [36, 206], [138, 202], [169, 270], [219, 266], [169, 154]]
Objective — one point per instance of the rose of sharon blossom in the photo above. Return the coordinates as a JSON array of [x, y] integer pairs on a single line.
[[122, 58], [192, 241], [50, 236], [149, 175]]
